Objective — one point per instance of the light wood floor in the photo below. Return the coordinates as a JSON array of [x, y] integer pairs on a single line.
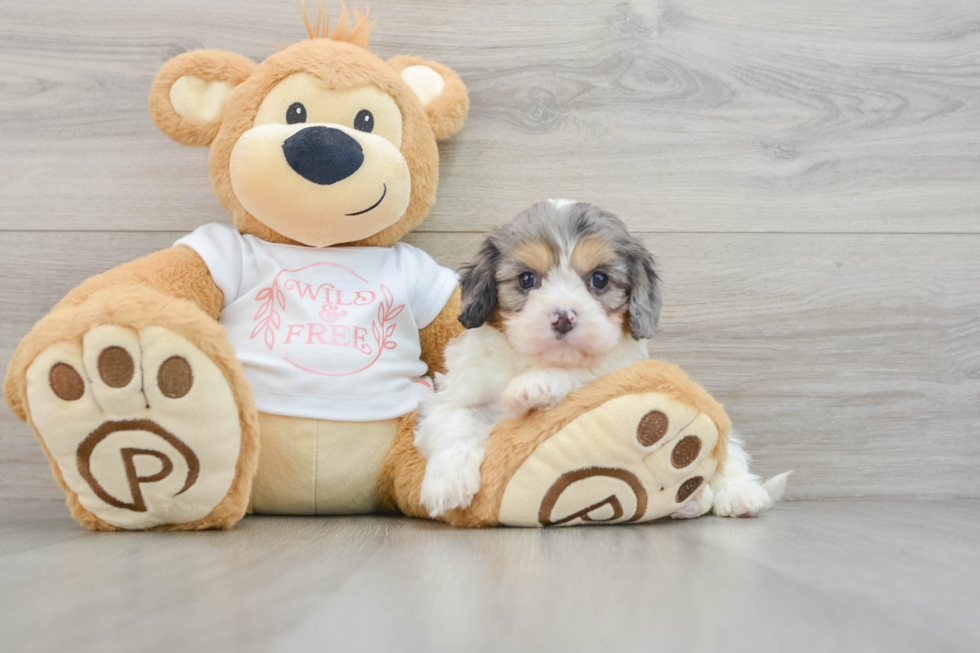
[[808, 174], [837, 577]]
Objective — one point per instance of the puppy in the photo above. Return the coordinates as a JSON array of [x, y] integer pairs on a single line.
[[558, 297]]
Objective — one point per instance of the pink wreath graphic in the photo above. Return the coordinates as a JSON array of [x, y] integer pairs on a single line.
[[269, 318]]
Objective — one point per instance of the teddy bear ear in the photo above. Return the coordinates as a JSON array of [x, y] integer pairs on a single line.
[[439, 89], [190, 92]]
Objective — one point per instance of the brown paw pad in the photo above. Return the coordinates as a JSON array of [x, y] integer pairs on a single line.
[[116, 367], [652, 427], [685, 451], [65, 382], [688, 488], [175, 377]]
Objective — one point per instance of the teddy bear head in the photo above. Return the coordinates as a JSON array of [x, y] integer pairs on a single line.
[[321, 144]]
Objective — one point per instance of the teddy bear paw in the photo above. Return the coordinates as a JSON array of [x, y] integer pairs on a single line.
[[633, 458], [142, 426]]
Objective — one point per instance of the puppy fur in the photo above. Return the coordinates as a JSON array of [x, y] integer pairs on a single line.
[[556, 298]]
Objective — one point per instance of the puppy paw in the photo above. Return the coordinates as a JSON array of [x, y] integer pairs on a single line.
[[699, 505], [451, 481], [743, 500], [528, 393]]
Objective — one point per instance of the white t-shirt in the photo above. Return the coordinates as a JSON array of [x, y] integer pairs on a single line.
[[326, 333]]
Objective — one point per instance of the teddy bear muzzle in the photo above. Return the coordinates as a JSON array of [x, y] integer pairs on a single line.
[[320, 184]]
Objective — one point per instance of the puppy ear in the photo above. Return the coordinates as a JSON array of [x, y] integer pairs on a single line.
[[645, 291], [439, 89], [190, 92], [478, 280]]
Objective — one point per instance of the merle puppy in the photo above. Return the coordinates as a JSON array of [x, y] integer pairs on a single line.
[[556, 298]]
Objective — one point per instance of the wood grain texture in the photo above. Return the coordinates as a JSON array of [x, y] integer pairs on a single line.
[[861, 576], [791, 116], [806, 172], [854, 359]]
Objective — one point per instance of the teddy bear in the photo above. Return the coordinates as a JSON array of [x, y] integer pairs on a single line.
[[276, 366]]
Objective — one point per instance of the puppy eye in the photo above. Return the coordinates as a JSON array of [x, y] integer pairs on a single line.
[[364, 121], [295, 113], [599, 280], [526, 280]]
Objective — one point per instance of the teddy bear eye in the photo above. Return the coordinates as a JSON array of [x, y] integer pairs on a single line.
[[364, 121], [295, 113]]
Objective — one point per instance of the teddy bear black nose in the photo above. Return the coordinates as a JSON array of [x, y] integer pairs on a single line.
[[323, 155]]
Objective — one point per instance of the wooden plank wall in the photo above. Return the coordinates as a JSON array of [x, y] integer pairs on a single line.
[[807, 173]]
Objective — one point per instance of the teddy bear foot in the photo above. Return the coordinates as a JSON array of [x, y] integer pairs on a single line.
[[634, 458], [142, 427]]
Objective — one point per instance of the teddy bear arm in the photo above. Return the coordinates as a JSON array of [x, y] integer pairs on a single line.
[[178, 272], [437, 335]]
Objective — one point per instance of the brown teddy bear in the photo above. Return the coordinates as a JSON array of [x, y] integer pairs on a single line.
[[275, 366]]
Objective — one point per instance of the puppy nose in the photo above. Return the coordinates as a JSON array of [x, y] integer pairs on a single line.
[[563, 322], [323, 155]]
